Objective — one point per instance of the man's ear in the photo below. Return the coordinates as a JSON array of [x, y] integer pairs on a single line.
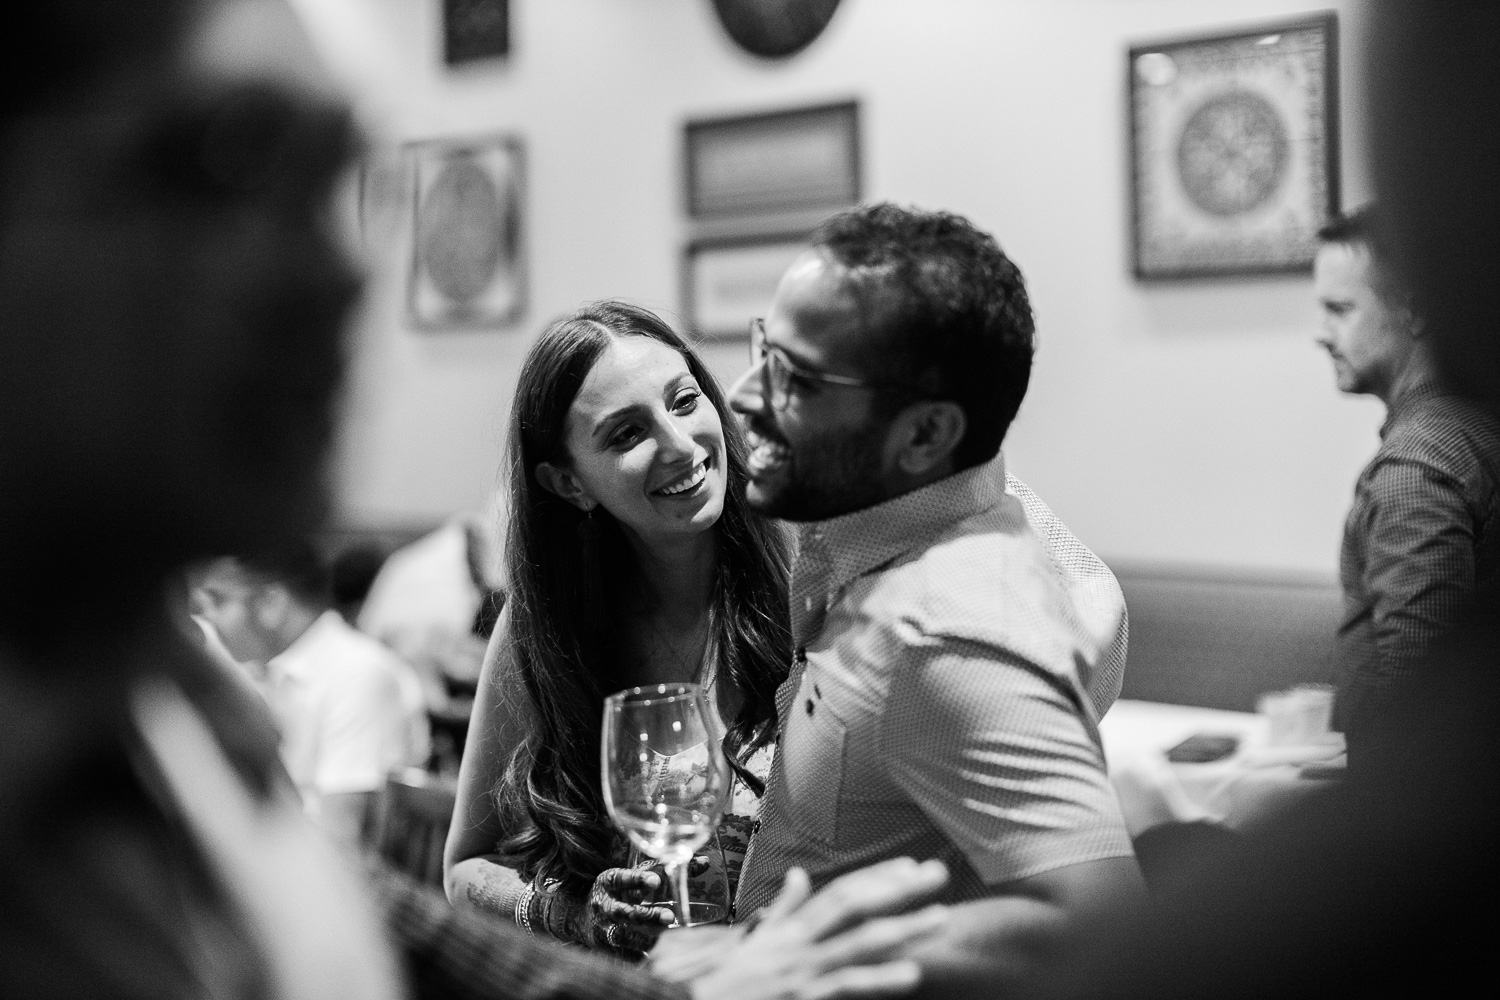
[[556, 479], [928, 433], [1415, 325]]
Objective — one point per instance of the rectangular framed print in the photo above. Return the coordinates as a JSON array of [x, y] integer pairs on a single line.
[[1234, 149], [780, 161], [728, 282]]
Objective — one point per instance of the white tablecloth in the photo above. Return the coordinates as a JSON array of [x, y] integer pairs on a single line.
[[1255, 781]]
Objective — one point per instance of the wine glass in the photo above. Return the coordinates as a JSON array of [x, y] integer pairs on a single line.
[[666, 781]]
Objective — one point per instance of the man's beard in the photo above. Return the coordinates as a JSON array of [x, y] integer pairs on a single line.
[[828, 477]]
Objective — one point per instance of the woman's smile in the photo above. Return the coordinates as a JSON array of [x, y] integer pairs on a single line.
[[688, 483]]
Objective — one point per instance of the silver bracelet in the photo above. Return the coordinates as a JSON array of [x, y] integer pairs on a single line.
[[523, 908]]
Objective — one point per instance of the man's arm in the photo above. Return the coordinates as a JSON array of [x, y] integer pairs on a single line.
[[999, 756], [1009, 944], [1419, 569]]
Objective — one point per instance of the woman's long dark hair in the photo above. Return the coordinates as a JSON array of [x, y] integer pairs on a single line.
[[569, 579]]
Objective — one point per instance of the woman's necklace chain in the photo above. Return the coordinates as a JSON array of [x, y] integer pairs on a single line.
[[691, 664]]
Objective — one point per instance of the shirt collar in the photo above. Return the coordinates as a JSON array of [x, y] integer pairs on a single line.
[[1406, 397], [855, 543], [293, 661]]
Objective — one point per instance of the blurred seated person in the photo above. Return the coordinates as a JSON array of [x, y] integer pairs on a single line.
[[633, 560], [351, 574], [349, 709], [432, 602]]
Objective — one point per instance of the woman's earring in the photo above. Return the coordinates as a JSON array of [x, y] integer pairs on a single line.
[[588, 528]]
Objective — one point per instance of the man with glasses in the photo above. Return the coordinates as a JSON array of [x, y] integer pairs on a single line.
[[954, 644]]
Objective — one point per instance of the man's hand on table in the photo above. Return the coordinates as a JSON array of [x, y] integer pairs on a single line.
[[841, 942]]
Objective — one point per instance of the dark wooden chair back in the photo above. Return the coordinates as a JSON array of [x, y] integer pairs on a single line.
[[411, 823]]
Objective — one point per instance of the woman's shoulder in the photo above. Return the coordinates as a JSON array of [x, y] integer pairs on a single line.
[[503, 695]]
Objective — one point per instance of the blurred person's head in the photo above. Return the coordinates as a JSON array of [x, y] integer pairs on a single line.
[[1370, 327], [622, 450], [895, 352], [260, 604], [173, 297]]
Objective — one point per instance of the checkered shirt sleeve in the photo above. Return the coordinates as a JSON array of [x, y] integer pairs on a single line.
[[460, 955], [1422, 534], [1419, 559]]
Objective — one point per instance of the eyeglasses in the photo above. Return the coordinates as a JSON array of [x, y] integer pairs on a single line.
[[778, 371]]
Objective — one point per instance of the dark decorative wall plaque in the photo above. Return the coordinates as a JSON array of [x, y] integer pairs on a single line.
[[774, 29], [475, 29]]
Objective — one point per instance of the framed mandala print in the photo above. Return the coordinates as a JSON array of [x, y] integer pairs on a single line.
[[467, 264], [1234, 150]]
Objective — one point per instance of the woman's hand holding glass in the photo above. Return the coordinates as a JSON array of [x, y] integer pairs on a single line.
[[665, 778], [617, 914]]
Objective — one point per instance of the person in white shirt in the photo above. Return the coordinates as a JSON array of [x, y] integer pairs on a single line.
[[350, 710]]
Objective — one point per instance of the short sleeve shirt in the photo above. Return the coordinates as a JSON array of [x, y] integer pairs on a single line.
[[939, 703], [346, 708]]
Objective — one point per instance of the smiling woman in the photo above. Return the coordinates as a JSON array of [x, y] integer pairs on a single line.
[[633, 560]]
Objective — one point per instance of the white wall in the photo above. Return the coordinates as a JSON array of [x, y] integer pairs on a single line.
[[1190, 423]]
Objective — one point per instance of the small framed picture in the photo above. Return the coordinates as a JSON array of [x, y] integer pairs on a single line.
[[780, 161], [467, 263], [1234, 149], [728, 282], [475, 29]]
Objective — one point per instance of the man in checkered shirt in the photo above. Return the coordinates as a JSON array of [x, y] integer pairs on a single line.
[[1422, 533], [954, 644]]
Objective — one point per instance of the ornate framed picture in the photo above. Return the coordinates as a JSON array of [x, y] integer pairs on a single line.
[[780, 161], [1234, 149], [467, 264], [728, 282]]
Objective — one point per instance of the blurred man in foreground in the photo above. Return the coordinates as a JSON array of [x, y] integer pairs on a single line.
[[1424, 529], [173, 297]]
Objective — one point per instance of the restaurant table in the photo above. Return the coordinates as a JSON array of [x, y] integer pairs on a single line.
[[1254, 782]]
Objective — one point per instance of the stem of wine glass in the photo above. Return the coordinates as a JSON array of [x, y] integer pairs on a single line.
[[677, 873]]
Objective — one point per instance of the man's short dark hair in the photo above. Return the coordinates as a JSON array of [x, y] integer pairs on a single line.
[[296, 565], [946, 310], [1366, 227]]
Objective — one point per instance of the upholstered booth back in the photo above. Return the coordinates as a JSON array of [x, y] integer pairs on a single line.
[[1219, 639]]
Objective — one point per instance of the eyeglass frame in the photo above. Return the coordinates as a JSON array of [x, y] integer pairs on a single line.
[[761, 354]]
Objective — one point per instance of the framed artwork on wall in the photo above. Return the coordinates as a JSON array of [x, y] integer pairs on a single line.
[[779, 161], [728, 282], [467, 262], [475, 29], [1234, 144]]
